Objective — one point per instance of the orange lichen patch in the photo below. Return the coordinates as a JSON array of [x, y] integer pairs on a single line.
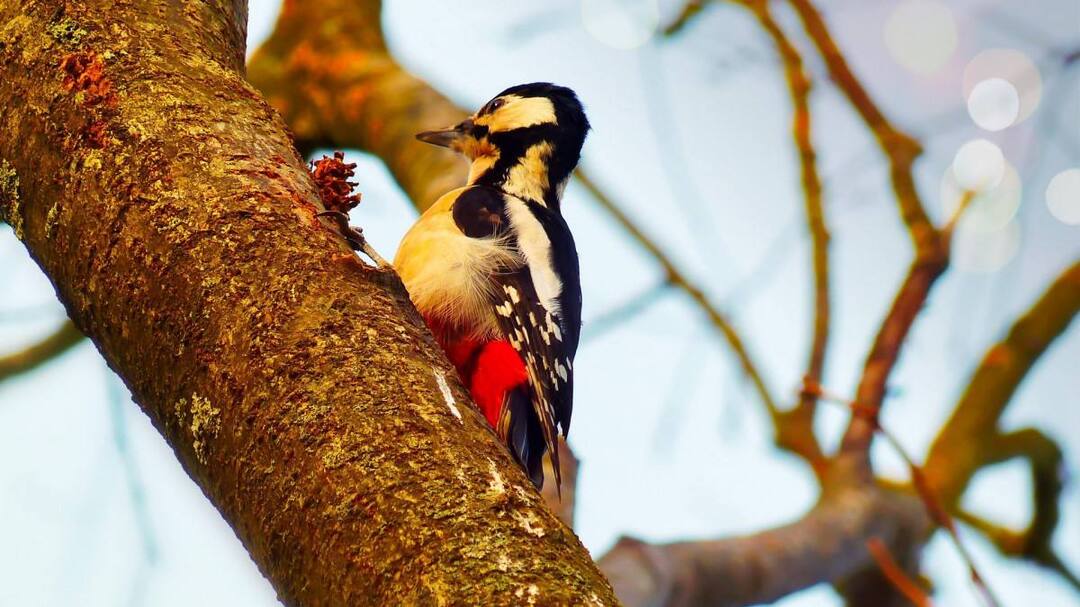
[[355, 98], [84, 75], [332, 178]]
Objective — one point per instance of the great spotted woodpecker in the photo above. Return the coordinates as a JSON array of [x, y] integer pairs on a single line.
[[493, 269]]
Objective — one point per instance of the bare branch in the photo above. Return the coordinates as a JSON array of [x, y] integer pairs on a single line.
[[931, 248], [796, 433], [972, 439], [690, 9], [826, 545]]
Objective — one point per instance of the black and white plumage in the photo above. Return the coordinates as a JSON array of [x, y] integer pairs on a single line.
[[495, 262]]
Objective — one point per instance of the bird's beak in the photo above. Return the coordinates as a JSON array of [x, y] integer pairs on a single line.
[[445, 137]]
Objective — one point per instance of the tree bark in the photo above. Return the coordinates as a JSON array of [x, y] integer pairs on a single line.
[[298, 387]]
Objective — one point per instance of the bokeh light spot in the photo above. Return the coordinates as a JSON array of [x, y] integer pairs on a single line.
[[921, 35], [990, 209], [1012, 66], [1063, 196], [994, 104], [979, 165], [621, 24], [981, 251]]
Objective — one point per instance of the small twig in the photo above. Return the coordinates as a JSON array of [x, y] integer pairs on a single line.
[[950, 225], [61, 340], [896, 574], [801, 419], [355, 237], [931, 249], [688, 11]]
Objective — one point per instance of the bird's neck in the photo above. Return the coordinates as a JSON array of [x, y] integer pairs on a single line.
[[527, 175]]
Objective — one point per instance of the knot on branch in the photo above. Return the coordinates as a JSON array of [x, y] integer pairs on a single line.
[[332, 178]]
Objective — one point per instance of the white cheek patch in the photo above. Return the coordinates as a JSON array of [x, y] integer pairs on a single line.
[[518, 113]]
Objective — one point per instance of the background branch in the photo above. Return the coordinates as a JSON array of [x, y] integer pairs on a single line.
[[61, 340]]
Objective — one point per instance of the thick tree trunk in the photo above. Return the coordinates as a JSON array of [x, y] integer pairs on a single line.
[[164, 200]]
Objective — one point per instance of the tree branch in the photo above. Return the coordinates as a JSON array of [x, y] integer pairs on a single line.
[[299, 388], [826, 545], [972, 439], [62, 339], [796, 428], [931, 248]]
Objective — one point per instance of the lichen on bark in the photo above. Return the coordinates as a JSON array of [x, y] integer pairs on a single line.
[[9, 198]]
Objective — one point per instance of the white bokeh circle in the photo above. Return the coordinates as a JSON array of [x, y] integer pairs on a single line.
[[978, 165], [1012, 66], [621, 24], [994, 104], [989, 209], [920, 35], [985, 251], [1063, 196]]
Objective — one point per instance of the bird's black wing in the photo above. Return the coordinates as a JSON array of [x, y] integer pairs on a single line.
[[545, 338]]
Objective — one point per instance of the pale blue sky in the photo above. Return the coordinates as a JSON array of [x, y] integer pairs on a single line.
[[673, 444]]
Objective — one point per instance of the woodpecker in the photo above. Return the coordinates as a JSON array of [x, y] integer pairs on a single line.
[[493, 268]]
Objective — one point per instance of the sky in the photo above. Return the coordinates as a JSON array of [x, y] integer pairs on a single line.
[[691, 137]]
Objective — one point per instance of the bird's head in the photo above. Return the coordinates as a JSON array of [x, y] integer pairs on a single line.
[[526, 140]]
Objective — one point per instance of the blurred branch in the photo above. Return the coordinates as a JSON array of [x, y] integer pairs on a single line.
[[931, 501], [796, 432], [896, 574], [972, 439], [826, 545], [563, 505], [931, 248], [136, 489], [674, 162], [688, 11], [62, 339]]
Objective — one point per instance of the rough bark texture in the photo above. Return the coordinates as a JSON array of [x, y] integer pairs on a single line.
[[165, 201]]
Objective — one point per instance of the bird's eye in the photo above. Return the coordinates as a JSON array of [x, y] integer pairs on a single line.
[[498, 103]]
